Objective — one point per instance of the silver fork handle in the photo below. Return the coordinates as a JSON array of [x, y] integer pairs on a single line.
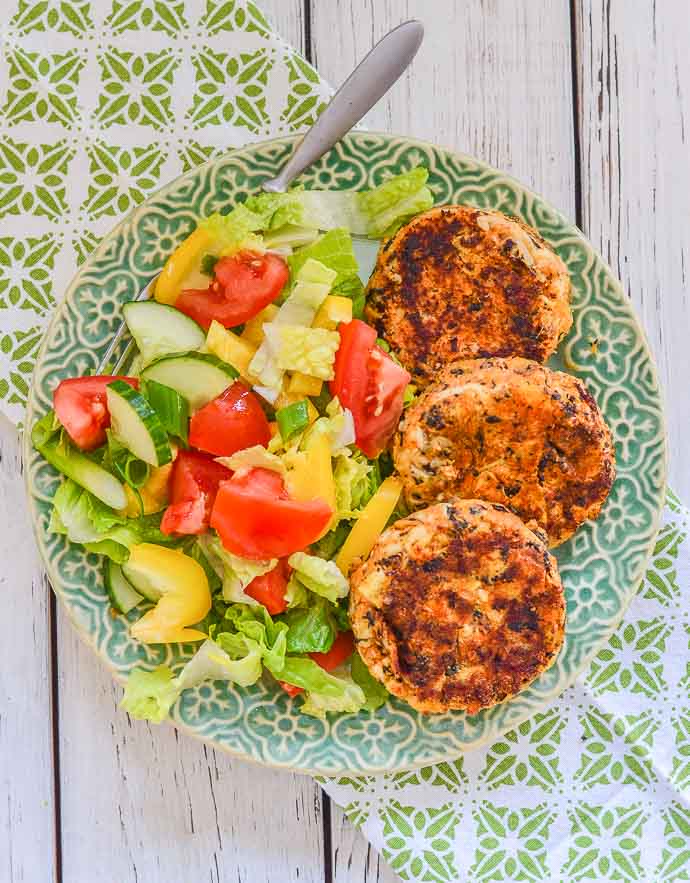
[[368, 82]]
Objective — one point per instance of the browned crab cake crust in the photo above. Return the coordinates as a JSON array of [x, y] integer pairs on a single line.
[[459, 606], [460, 282], [512, 432]]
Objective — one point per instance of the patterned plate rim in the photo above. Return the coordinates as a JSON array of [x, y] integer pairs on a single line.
[[445, 756]]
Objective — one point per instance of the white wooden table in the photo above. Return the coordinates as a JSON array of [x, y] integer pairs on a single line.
[[586, 102]]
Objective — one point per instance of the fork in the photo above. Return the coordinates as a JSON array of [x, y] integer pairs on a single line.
[[368, 82]]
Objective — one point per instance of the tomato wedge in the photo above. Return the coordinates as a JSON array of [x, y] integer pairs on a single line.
[[233, 421], [341, 649], [81, 406], [242, 286], [194, 483], [370, 384], [256, 519], [269, 589]]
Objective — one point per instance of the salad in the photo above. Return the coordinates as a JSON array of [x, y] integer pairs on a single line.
[[234, 474]]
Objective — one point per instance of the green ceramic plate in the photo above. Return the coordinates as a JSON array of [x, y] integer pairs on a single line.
[[601, 566]]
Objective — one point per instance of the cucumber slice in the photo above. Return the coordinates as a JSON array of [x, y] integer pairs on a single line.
[[141, 582], [122, 595], [159, 329], [80, 468], [135, 424], [198, 377]]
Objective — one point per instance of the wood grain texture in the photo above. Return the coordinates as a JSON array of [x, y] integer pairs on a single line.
[[492, 79], [27, 819], [633, 64], [163, 807]]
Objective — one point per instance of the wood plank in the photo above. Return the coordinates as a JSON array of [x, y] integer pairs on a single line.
[[634, 99], [493, 78], [27, 818], [164, 807], [161, 806]]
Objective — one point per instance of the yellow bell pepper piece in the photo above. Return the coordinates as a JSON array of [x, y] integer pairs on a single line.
[[154, 493], [370, 524], [181, 262], [231, 348], [185, 594], [304, 385], [254, 328], [334, 310], [312, 473]]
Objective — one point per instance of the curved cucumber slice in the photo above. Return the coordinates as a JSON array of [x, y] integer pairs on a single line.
[[135, 424], [121, 593], [159, 329], [80, 468], [198, 377], [141, 580]]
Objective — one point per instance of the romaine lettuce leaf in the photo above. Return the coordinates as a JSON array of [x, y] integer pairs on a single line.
[[375, 213], [334, 250], [256, 624], [313, 282], [329, 544], [339, 425], [237, 229], [256, 457], [374, 691], [235, 573], [230, 658], [351, 698], [311, 629], [295, 593], [149, 695], [352, 484], [388, 206], [319, 576], [299, 348], [84, 519]]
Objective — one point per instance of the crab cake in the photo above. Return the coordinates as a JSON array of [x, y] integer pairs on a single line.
[[459, 606], [462, 283], [513, 432]]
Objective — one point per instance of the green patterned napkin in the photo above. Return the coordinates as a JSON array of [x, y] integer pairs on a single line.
[[101, 103], [595, 788]]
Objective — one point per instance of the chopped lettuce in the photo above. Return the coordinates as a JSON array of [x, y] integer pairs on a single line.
[[256, 624], [235, 573], [313, 282], [300, 348], [319, 576], [84, 519], [256, 457], [388, 206], [352, 485], [311, 629], [329, 544], [339, 425], [351, 698], [374, 691], [228, 233], [230, 658], [334, 250], [149, 695], [374, 213], [289, 237], [295, 593], [325, 692]]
